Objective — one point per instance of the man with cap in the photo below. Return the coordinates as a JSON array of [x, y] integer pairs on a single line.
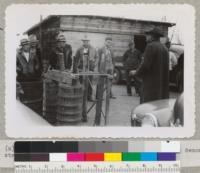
[[155, 68], [85, 60], [27, 62], [131, 61], [106, 60], [61, 56]]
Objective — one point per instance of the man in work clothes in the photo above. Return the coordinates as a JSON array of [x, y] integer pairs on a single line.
[[27, 63], [106, 66], [106, 63], [131, 60], [86, 61], [155, 68], [61, 56]]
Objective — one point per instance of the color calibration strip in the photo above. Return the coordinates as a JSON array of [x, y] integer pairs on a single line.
[[86, 151], [89, 157], [95, 146]]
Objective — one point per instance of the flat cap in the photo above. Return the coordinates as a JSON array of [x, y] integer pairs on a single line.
[[60, 38], [108, 38]]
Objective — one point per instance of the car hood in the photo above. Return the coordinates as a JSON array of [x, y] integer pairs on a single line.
[[154, 106]]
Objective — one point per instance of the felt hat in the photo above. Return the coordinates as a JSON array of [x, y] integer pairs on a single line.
[[33, 39], [24, 41], [85, 38], [155, 31]]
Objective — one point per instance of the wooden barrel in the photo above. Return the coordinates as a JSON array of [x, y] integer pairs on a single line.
[[32, 95], [69, 103], [50, 100]]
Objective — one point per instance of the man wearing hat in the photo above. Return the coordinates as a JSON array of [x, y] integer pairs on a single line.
[[61, 55], [106, 60], [27, 62], [131, 61], [155, 68], [86, 56], [85, 61]]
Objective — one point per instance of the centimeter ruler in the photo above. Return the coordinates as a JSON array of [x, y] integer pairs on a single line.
[[97, 167]]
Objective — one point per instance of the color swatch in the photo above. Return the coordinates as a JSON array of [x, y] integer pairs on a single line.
[[95, 151]]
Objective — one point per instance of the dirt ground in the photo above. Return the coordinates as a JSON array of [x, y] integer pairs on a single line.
[[120, 111], [120, 108]]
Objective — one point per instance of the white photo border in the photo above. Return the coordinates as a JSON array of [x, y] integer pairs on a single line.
[[101, 132]]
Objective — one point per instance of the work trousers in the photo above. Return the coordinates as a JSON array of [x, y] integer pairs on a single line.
[[137, 83]]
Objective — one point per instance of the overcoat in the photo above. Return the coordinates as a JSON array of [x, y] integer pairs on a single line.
[[154, 70]]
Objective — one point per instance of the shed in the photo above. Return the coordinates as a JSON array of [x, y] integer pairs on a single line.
[[74, 27]]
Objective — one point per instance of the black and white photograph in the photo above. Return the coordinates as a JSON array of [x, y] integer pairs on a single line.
[[124, 70]]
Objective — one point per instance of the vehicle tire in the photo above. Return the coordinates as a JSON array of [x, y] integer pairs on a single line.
[[179, 82], [116, 76]]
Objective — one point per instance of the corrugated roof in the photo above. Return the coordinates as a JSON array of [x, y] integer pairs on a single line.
[[100, 17]]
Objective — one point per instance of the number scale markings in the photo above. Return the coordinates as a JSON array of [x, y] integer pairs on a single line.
[[97, 167]]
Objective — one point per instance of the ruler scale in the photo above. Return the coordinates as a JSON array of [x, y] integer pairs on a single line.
[[98, 167]]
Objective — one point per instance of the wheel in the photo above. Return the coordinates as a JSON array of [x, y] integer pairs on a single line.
[[179, 82], [116, 76]]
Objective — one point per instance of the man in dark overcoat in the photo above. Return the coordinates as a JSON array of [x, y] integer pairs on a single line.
[[155, 68]]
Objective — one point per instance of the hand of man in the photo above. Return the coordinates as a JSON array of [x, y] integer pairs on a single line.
[[132, 72]]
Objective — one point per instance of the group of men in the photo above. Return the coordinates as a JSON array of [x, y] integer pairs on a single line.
[[86, 59], [149, 70]]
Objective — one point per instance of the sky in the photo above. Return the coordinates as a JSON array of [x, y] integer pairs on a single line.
[[19, 18]]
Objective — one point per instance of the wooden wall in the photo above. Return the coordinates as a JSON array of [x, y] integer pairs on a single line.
[[97, 29], [120, 42], [107, 25]]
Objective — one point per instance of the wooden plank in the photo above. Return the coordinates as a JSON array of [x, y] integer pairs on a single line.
[[100, 90], [85, 98], [107, 106], [59, 76]]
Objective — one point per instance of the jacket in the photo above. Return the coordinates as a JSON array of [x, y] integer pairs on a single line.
[[27, 70], [92, 59], [106, 62], [132, 59]]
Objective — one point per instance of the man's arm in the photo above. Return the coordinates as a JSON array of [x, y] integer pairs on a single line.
[[125, 56]]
